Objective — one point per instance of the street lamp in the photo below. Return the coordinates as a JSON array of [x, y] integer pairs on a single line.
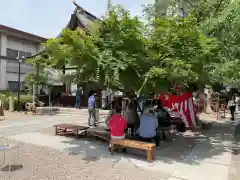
[[20, 59]]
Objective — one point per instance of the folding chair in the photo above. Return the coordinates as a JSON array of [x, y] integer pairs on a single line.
[[7, 149]]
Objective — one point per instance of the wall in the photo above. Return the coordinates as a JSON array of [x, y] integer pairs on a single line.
[[21, 45], [12, 67], [14, 77], [3, 63]]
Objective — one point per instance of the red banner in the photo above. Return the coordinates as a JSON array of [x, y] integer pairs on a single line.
[[182, 104]]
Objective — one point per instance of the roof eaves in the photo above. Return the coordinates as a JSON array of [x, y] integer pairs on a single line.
[[17, 31], [77, 10]]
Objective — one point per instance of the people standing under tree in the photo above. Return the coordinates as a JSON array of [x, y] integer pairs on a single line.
[[92, 109], [58, 97], [130, 113], [104, 99], [232, 106], [78, 97]]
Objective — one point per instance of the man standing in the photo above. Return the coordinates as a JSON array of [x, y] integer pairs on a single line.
[[92, 109], [148, 127], [78, 97], [232, 107]]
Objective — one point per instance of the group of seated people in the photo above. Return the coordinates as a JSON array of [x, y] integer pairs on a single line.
[[147, 130]]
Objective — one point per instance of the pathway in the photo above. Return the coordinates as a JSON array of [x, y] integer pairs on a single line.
[[188, 158], [17, 123]]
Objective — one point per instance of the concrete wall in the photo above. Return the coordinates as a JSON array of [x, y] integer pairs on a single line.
[[3, 63], [14, 77], [21, 45], [12, 67]]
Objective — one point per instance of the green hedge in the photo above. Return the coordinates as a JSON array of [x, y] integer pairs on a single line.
[[23, 98], [4, 99]]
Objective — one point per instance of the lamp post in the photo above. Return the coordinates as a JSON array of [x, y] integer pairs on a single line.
[[20, 59]]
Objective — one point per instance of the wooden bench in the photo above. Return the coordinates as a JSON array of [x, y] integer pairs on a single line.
[[70, 129], [99, 133], [149, 147]]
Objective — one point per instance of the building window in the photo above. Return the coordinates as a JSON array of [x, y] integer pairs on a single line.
[[28, 54], [12, 53], [21, 54], [13, 86], [9, 52]]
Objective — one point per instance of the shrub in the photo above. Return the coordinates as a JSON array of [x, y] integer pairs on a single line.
[[4, 99], [23, 98]]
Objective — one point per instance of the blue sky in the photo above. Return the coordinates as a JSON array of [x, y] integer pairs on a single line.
[[47, 17]]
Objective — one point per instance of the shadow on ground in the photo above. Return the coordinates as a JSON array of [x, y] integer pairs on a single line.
[[11, 168], [208, 144]]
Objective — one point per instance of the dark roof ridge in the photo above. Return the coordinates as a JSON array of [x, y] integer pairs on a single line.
[[84, 11], [78, 10]]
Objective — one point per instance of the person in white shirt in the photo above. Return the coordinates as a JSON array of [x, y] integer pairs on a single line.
[[148, 127], [237, 102]]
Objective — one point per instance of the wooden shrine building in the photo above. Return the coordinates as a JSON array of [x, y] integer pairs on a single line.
[[80, 18]]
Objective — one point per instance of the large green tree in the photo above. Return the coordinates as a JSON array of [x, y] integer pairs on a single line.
[[112, 55], [180, 51], [124, 53]]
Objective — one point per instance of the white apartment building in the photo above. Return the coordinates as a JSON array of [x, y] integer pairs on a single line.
[[13, 44]]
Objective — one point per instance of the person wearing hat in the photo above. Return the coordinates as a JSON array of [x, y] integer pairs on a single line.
[[92, 109], [147, 130]]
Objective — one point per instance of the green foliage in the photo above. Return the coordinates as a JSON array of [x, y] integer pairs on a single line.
[[220, 19], [5, 99], [123, 57], [180, 51], [42, 79], [123, 53]]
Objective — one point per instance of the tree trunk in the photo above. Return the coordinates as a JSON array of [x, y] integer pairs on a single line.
[[35, 86]]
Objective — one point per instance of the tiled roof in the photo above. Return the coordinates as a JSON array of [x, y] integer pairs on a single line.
[[80, 18]]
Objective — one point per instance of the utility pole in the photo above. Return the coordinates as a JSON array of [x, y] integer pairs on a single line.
[[20, 59]]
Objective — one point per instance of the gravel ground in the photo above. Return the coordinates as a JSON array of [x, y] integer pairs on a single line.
[[234, 170], [47, 164]]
